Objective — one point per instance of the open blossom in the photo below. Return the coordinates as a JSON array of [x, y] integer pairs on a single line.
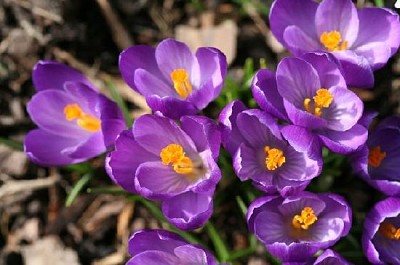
[[311, 95], [173, 80], [156, 247], [294, 228], [262, 154], [378, 161], [75, 121], [381, 235], [362, 40], [175, 165]]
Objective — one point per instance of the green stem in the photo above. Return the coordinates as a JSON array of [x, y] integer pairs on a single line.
[[82, 182], [120, 102], [108, 190], [220, 247], [379, 3], [16, 145]]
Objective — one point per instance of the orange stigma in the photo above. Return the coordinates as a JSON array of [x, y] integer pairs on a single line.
[[389, 231], [174, 154], [84, 120], [323, 99], [274, 158], [376, 156], [332, 41], [305, 219], [182, 85]]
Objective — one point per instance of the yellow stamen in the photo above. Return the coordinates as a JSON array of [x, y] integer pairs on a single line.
[[175, 155], [376, 156], [332, 41], [274, 158], [182, 85], [305, 219], [323, 99], [84, 120], [389, 231]]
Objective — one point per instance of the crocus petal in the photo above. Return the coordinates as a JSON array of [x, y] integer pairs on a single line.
[[89, 148], [191, 255], [205, 131], [356, 69], [383, 27], [286, 12], [154, 133], [154, 180], [344, 142], [248, 165], [376, 53], [53, 75], [327, 230], [47, 149], [122, 163], [171, 107], [326, 66], [330, 257], [46, 109], [303, 140], [271, 231], [138, 57], [188, 210], [213, 68], [153, 257], [344, 111], [295, 252], [266, 94], [183, 58], [230, 134], [161, 240], [337, 15], [149, 84], [299, 42]]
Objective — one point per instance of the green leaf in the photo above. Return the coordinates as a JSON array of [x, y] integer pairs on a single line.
[[79, 185], [379, 3], [220, 247], [120, 102], [14, 144]]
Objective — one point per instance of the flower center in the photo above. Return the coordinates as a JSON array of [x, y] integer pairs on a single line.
[[84, 120], [376, 156], [174, 154], [181, 82], [389, 231], [274, 158], [332, 41], [305, 219], [323, 99]]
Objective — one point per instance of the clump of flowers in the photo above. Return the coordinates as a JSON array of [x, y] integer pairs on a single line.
[[362, 40], [172, 156]]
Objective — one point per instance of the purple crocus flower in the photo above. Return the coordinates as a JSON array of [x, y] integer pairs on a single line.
[[295, 228], [156, 247], [175, 165], [378, 161], [75, 121], [381, 236], [311, 95], [362, 40], [173, 80], [262, 154], [328, 257]]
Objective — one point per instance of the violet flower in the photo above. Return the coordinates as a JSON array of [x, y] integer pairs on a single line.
[[156, 247], [75, 121], [294, 228], [362, 40], [381, 236], [262, 154], [173, 80], [175, 165], [310, 94], [378, 161]]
